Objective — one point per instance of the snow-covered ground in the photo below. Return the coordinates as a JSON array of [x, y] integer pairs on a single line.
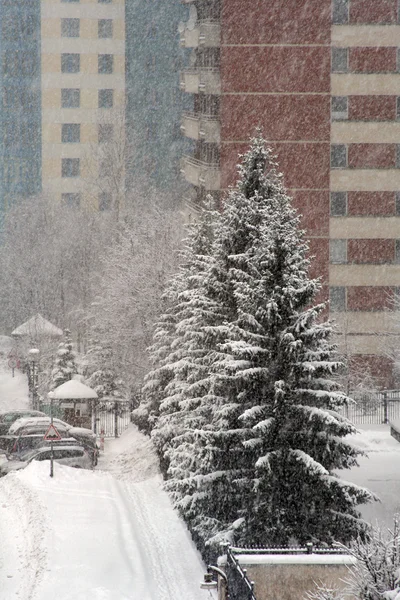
[[88, 535], [112, 534], [379, 471]]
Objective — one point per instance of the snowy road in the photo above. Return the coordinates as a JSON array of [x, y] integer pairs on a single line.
[[86, 535]]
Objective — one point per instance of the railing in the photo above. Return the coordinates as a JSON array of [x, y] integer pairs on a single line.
[[200, 116], [195, 162], [239, 585], [370, 408]]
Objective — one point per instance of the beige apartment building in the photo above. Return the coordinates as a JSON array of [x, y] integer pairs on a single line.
[[83, 97]]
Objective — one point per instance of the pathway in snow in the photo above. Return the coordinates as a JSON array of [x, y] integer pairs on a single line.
[[88, 534], [13, 390]]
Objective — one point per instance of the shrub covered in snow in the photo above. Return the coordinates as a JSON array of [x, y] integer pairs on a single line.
[[377, 572]]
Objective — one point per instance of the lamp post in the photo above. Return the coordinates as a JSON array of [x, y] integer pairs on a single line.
[[51, 396], [33, 359], [210, 583]]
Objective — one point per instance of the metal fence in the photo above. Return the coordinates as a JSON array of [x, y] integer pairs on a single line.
[[111, 423], [374, 408], [239, 585]]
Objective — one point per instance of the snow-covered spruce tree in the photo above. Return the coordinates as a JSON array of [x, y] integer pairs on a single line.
[[65, 363], [261, 468], [168, 393]]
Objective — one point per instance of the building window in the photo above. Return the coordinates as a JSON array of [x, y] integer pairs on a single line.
[[339, 108], [105, 63], [70, 98], [105, 28], [397, 252], [338, 204], [106, 98], [337, 299], [70, 167], [105, 133], [339, 60], [338, 156], [397, 156], [105, 1], [398, 108], [104, 201], [71, 200], [70, 1], [340, 12], [397, 203], [338, 252], [70, 63], [70, 28], [70, 133]]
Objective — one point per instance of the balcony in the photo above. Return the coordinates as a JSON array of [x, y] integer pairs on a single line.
[[197, 80], [201, 127], [201, 174], [205, 34]]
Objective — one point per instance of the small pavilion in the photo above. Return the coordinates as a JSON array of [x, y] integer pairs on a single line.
[[76, 401]]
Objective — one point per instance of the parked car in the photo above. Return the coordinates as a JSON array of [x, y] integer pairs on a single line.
[[38, 425], [70, 455], [7, 418], [88, 439]]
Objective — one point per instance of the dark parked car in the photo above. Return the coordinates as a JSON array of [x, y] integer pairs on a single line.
[[9, 417]]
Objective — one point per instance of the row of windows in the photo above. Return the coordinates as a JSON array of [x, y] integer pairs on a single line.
[[338, 204], [71, 133], [71, 167], [20, 63], [71, 98], [338, 300], [339, 156], [341, 11], [338, 252], [71, 28], [340, 60], [99, 1], [340, 108], [73, 200], [71, 63]]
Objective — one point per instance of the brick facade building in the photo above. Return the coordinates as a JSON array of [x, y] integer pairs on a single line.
[[321, 77]]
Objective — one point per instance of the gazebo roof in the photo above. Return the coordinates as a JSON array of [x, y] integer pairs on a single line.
[[74, 390], [37, 326]]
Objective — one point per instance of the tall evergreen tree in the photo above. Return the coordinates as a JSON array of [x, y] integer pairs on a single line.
[[168, 391], [259, 467], [65, 364]]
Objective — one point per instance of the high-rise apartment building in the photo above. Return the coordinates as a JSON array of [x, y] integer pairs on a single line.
[[76, 75], [82, 82], [154, 100], [321, 77], [20, 96], [62, 84]]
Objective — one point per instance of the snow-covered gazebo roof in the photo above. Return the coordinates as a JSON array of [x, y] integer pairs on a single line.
[[74, 390], [37, 327]]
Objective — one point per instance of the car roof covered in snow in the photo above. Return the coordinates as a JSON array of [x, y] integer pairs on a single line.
[[36, 422]]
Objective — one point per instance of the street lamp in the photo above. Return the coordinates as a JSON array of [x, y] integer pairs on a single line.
[[211, 584], [51, 396], [33, 380]]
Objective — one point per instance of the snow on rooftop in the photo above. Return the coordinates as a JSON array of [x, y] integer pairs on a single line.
[[74, 390], [37, 326]]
